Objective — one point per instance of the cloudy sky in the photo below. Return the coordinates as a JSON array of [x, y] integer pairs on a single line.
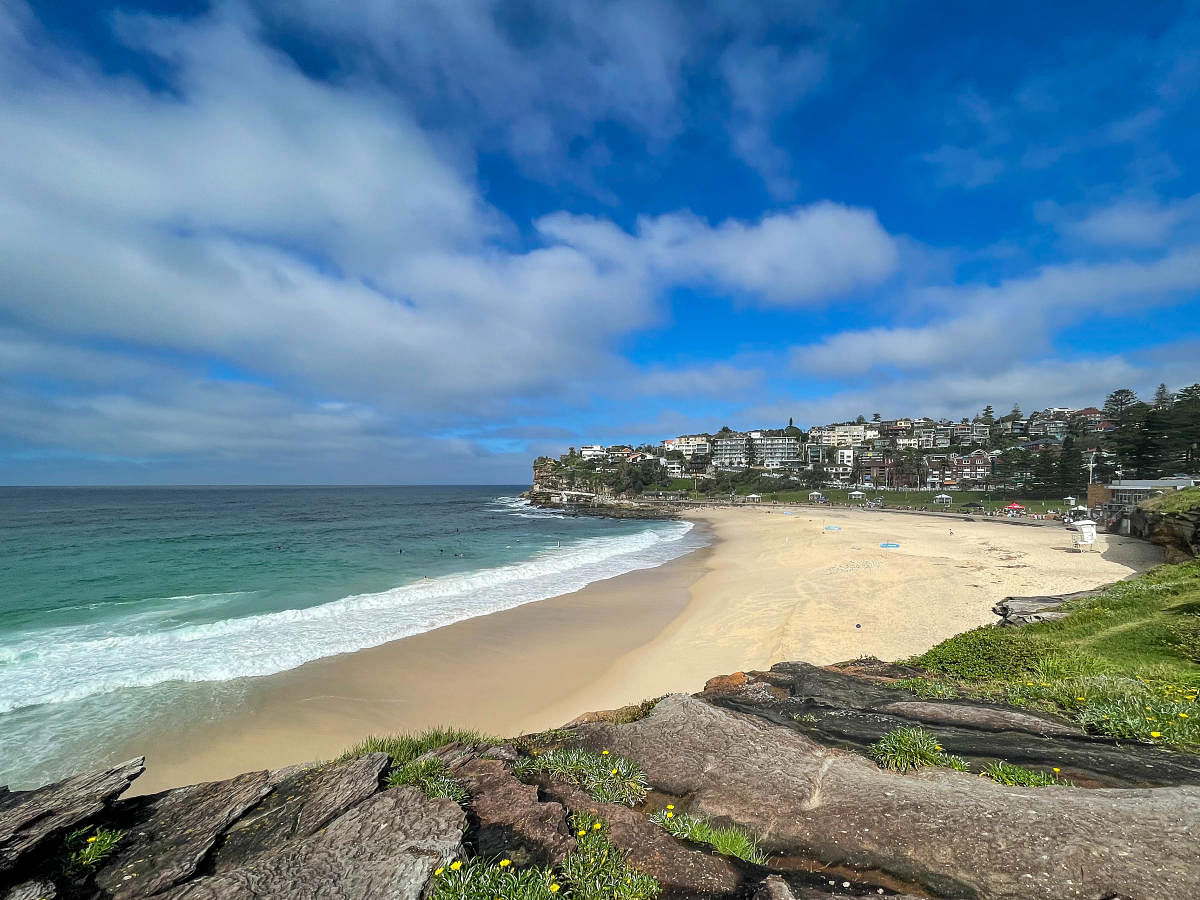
[[303, 241]]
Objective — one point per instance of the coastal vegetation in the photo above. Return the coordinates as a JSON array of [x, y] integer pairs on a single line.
[[404, 748], [87, 847], [1123, 663], [906, 749], [431, 777], [594, 870], [607, 778], [1007, 773], [1174, 503], [727, 840]]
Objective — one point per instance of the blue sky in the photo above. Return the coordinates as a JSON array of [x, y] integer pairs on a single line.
[[294, 241]]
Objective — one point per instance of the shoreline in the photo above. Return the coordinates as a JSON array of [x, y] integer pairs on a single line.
[[773, 585]]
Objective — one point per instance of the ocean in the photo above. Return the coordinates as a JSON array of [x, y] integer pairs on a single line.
[[124, 609]]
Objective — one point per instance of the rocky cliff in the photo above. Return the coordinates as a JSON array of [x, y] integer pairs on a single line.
[[1172, 521], [773, 756]]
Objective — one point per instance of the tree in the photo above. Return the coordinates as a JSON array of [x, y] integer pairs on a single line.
[[1119, 403], [876, 417], [861, 420], [1163, 397], [725, 429], [988, 417], [1189, 394]]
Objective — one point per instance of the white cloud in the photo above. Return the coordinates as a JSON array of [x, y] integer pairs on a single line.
[[1132, 222]]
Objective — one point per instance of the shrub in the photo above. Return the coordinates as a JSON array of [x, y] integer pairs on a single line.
[[904, 749], [990, 652], [609, 779], [594, 870], [1007, 773], [728, 841], [88, 850], [404, 748], [430, 776]]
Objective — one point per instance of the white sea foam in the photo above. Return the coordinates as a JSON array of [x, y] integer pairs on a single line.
[[67, 664]]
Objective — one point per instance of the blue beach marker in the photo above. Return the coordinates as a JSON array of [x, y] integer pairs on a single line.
[[889, 545]]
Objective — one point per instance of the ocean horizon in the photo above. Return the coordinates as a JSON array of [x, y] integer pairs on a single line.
[[124, 609]]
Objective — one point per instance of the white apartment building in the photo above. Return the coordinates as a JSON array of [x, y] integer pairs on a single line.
[[844, 435], [676, 468], [731, 451], [774, 451], [689, 444], [593, 451], [845, 456]]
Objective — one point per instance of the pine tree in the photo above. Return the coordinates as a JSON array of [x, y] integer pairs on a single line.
[[1119, 402], [989, 415], [1163, 397]]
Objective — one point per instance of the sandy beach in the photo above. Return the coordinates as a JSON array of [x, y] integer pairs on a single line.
[[776, 584]]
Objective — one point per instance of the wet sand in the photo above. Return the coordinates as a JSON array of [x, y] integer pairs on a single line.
[[772, 587]]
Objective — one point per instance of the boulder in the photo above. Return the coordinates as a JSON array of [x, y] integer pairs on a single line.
[[510, 819], [949, 833], [1027, 610], [28, 818], [387, 846], [168, 835], [298, 805]]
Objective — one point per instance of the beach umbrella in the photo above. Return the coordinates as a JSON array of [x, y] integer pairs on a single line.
[[1014, 506]]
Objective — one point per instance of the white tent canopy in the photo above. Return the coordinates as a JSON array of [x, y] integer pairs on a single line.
[[814, 495], [857, 495], [943, 498]]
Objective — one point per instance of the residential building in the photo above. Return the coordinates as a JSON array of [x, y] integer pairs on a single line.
[[775, 451], [973, 466], [1128, 493], [689, 444], [592, 451], [732, 450]]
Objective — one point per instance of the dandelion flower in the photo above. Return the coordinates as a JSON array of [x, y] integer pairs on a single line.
[[596, 826], [582, 832], [1156, 734], [604, 753], [670, 806], [670, 815], [1057, 769], [456, 865], [614, 771], [505, 862], [554, 888], [439, 870], [91, 840], [1183, 715]]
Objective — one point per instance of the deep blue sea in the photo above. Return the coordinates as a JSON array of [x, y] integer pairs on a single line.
[[122, 606]]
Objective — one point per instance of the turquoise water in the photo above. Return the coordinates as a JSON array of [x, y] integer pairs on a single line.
[[121, 607]]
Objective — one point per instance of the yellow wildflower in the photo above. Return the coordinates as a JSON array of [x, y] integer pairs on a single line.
[[1057, 769], [505, 862], [456, 865], [596, 827], [1084, 698], [670, 815], [670, 806], [582, 832], [1156, 734], [554, 888], [1189, 696], [1183, 715], [614, 771], [91, 840], [604, 753], [439, 871]]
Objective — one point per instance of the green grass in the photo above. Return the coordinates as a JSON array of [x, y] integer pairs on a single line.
[[86, 848], [728, 841], [905, 749], [1123, 663], [430, 776], [404, 748], [607, 778], [924, 687], [1007, 773], [1174, 502], [594, 870]]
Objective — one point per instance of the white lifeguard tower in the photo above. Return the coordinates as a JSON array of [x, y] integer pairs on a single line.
[[1086, 539]]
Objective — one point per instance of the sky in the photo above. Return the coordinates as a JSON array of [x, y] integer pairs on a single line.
[[299, 241]]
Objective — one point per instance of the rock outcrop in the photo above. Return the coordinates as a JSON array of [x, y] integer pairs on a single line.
[[1178, 533], [771, 752], [1027, 610]]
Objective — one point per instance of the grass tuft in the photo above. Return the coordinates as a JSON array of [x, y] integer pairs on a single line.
[[404, 748], [728, 841], [905, 749], [430, 776], [607, 778], [924, 687], [1007, 773], [594, 870], [87, 848]]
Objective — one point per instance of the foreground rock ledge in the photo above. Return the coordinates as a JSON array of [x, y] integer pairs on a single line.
[[764, 750]]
